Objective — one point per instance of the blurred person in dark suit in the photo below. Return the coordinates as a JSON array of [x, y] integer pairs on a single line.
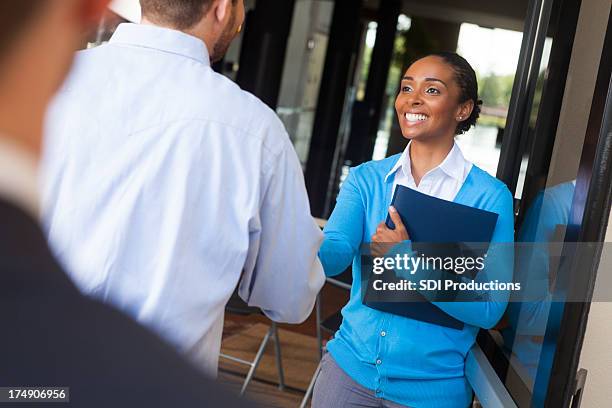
[[51, 335]]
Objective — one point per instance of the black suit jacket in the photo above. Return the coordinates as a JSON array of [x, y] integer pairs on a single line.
[[51, 335]]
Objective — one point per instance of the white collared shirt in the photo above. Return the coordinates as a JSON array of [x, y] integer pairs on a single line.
[[164, 183], [443, 181], [18, 177]]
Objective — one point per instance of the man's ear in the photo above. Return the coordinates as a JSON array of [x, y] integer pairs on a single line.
[[222, 8], [91, 11]]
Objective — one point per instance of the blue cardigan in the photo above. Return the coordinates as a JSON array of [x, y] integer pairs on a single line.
[[404, 360]]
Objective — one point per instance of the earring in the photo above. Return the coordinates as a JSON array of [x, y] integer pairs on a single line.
[[460, 117]]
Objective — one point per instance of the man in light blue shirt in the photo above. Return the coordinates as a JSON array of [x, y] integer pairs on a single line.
[[165, 184]]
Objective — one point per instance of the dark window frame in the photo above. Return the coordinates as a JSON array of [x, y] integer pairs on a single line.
[[595, 179]]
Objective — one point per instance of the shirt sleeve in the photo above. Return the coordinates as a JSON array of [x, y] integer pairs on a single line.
[[282, 274]]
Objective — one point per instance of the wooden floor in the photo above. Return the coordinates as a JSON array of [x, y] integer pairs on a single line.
[[299, 356], [266, 394], [242, 336]]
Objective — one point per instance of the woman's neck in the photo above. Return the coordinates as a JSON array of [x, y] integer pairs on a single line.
[[428, 154]]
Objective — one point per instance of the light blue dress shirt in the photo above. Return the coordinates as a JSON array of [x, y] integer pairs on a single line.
[[165, 184]]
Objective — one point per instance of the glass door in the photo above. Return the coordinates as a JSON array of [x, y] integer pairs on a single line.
[[558, 131]]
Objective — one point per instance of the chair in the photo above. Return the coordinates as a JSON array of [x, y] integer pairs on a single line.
[[237, 306], [330, 325]]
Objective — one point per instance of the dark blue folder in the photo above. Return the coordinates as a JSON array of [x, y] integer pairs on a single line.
[[433, 220]]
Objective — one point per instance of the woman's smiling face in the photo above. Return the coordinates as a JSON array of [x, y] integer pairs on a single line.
[[428, 105]]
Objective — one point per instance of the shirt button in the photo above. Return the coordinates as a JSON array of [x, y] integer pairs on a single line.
[[378, 362], [383, 333]]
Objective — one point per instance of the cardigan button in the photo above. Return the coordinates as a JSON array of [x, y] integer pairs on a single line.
[[383, 333], [379, 362]]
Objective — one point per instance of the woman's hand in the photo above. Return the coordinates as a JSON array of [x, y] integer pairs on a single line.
[[385, 235]]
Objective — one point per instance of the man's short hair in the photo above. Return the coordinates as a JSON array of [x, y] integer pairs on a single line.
[[14, 16], [180, 14]]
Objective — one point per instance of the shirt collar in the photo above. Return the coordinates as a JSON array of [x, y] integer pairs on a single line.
[[18, 177], [404, 158], [453, 165], [163, 39]]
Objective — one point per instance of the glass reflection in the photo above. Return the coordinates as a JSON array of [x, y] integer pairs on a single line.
[[526, 322]]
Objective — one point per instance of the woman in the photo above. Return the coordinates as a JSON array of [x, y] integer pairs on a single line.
[[378, 359]]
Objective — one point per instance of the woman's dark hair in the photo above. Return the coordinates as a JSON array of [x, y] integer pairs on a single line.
[[468, 85]]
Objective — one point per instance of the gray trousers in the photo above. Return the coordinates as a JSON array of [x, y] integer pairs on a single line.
[[334, 388]]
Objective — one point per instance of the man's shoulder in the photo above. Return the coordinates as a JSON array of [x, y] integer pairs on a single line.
[[244, 112], [243, 103], [194, 92]]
